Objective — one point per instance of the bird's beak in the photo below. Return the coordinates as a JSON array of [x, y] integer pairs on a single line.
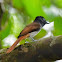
[[47, 23]]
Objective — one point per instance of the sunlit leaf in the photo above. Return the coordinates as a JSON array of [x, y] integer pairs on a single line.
[[17, 24], [5, 32], [46, 3], [40, 34], [57, 26], [33, 8], [57, 3], [17, 3], [22, 42]]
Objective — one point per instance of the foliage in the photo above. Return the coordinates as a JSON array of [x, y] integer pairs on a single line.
[[18, 13]]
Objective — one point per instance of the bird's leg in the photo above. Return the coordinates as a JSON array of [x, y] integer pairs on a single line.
[[33, 39], [26, 41]]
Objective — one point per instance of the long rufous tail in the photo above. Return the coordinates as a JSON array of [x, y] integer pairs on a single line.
[[16, 42]]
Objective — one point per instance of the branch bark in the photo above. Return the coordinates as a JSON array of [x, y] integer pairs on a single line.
[[39, 51]]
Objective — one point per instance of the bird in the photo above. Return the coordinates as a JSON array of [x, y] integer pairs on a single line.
[[30, 30]]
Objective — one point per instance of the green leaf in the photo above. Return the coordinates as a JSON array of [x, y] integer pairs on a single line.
[[16, 24], [33, 8], [46, 3], [57, 3], [17, 3], [4, 18], [22, 42], [40, 34], [57, 26], [5, 32]]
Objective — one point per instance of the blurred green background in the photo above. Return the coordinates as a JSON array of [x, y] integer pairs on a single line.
[[16, 14]]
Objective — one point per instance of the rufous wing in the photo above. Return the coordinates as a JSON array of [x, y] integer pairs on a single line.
[[30, 28]]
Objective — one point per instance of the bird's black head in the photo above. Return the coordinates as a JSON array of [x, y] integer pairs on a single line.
[[40, 20]]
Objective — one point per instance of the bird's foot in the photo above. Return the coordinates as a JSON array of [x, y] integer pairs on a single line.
[[33, 39]]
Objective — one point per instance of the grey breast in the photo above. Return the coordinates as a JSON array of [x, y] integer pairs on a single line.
[[32, 34]]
